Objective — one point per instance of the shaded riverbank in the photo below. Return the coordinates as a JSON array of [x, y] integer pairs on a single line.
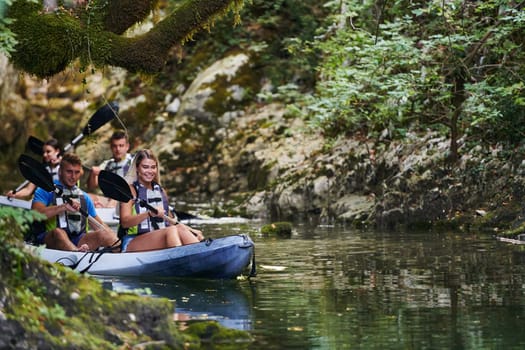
[[260, 161], [46, 306]]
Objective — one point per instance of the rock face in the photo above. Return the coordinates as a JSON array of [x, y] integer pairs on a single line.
[[274, 168], [13, 108], [218, 143]]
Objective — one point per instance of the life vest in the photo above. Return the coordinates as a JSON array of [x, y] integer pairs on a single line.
[[53, 171], [72, 222], [120, 168], [153, 197]]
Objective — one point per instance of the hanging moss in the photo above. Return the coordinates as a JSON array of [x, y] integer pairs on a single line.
[[47, 43], [129, 12]]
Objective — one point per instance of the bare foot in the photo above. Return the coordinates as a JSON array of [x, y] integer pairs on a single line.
[[83, 248]]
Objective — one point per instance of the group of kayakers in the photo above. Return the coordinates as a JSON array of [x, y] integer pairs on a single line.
[[67, 229]]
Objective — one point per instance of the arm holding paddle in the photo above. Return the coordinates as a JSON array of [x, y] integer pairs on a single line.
[[68, 221], [147, 225], [69, 206], [51, 154], [24, 190]]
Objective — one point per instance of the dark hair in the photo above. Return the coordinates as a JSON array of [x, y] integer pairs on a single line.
[[55, 144], [118, 135]]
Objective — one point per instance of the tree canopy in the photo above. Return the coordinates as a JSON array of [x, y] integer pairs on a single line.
[[94, 32], [455, 66]]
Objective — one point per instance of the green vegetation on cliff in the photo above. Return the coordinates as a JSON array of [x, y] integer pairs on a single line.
[[49, 306], [452, 66]]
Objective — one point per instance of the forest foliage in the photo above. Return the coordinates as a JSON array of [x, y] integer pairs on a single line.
[[380, 68], [388, 66]]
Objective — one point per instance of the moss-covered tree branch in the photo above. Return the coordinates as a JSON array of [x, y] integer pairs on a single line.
[[49, 41]]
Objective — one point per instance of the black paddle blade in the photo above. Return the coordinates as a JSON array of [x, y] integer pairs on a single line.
[[103, 115], [114, 186], [35, 172], [35, 145]]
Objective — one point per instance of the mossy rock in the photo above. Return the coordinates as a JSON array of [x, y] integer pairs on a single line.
[[513, 232], [280, 229], [212, 335], [50, 306]]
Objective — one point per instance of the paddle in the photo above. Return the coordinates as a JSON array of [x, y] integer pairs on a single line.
[[115, 187], [103, 115], [36, 172], [35, 145]]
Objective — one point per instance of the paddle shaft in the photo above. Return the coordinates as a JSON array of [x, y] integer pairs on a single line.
[[74, 142], [103, 115], [90, 219], [171, 220], [22, 185], [146, 205]]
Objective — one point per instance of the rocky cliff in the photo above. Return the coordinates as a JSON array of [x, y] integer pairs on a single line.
[[219, 142]]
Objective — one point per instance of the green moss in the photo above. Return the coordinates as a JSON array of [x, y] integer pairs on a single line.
[[54, 307], [132, 11], [212, 334], [57, 38], [54, 38], [513, 232], [222, 101], [280, 229]]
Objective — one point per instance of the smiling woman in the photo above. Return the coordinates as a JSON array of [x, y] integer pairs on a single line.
[[145, 228]]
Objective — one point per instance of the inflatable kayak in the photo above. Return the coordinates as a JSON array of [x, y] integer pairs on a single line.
[[219, 258]]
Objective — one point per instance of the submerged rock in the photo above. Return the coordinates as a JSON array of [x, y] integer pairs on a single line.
[[280, 229]]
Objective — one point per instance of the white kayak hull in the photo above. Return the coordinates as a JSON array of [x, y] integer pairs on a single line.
[[15, 203], [220, 258]]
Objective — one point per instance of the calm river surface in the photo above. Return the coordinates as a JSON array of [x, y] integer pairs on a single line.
[[338, 288]]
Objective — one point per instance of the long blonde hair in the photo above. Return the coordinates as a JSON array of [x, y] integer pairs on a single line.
[[132, 175]]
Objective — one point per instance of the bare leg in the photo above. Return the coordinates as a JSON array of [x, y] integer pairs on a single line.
[[186, 236], [173, 238], [96, 239], [58, 239], [158, 239]]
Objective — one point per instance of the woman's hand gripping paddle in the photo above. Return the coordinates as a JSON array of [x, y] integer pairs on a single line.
[[35, 172], [115, 187]]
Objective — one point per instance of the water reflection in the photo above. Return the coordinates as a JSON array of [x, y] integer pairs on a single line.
[[338, 288], [222, 301], [347, 289]]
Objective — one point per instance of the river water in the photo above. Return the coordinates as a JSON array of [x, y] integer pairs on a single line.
[[335, 287]]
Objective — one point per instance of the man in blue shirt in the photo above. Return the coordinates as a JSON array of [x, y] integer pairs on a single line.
[[66, 228]]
